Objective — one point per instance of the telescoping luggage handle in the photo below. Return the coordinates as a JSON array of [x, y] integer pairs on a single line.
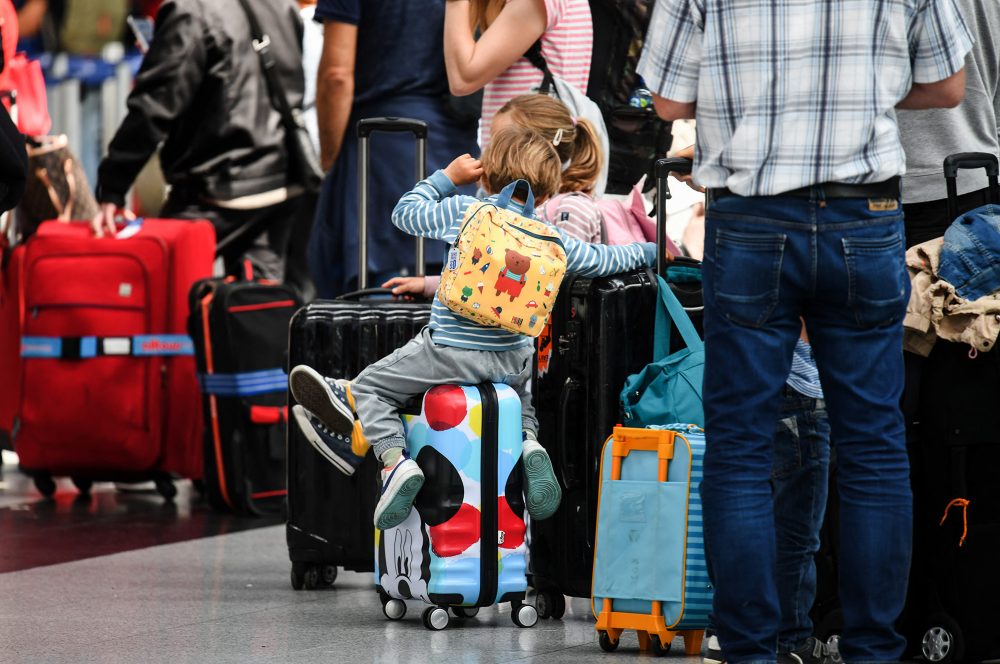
[[366, 128], [663, 168], [969, 160]]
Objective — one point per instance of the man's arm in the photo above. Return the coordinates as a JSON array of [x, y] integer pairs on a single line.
[[668, 109], [335, 87], [943, 94], [168, 80]]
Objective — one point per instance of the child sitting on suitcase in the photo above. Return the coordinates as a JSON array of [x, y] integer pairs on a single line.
[[452, 349]]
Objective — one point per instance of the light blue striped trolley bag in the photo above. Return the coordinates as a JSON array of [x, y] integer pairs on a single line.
[[650, 572]]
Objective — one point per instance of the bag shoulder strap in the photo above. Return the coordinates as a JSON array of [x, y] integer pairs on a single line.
[[535, 57], [670, 309], [262, 46]]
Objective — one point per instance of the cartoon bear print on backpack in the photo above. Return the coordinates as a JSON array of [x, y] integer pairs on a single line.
[[512, 277]]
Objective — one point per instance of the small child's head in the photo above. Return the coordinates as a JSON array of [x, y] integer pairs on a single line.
[[519, 153], [575, 140]]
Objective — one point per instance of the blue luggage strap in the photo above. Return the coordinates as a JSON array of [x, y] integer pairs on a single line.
[[244, 384], [84, 348]]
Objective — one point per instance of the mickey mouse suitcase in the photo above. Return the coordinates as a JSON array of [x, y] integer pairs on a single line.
[[463, 544]]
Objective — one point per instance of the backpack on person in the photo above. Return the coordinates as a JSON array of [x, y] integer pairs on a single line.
[[505, 269], [636, 135]]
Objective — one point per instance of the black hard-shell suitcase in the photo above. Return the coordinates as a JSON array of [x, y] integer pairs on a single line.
[[240, 330], [601, 331], [329, 514]]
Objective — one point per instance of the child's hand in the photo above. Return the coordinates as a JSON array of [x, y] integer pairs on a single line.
[[464, 170], [405, 286]]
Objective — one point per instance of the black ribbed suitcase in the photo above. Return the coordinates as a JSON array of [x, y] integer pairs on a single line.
[[330, 515], [601, 332]]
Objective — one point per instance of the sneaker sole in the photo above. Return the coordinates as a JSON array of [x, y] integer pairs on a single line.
[[310, 390], [542, 491], [305, 426], [713, 659], [399, 506]]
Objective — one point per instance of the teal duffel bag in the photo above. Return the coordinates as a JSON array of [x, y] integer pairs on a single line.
[[669, 388]]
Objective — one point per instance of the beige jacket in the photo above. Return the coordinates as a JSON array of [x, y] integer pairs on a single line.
[[936, 311]]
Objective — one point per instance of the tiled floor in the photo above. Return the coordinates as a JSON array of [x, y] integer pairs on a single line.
[[124, 578]]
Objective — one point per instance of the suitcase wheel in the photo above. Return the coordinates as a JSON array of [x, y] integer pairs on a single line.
[[435, 618], [523, 615], [83, 485], [45, 485], [465, 611], [312, 577], [550, 604], [394, 609], [165, 487], [607, 645], [298, 577], [656, 647], [942, 640]]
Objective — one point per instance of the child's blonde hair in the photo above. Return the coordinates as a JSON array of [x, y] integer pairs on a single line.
[[575, 140], [520, 153]]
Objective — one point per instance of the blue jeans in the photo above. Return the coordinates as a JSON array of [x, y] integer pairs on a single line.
[[799, 480], [839, 266]]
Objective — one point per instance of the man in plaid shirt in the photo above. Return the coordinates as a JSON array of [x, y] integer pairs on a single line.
[[799, 149]]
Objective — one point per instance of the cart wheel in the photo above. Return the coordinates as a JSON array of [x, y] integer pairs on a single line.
[[45, 485], [312, 577], [523, 615], [83, 485], [607, 645], [465, 611], [328, 575], [942, 641], [394, 609], [298, 582], [165, 487], [656, 647], [435, 618]]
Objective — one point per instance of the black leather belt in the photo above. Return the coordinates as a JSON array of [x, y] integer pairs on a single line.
[[885, 189]]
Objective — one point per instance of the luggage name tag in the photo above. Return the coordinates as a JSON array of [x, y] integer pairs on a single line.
[[453, 259]]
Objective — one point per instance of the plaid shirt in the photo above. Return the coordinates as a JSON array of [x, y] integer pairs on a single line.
[[791, 94]]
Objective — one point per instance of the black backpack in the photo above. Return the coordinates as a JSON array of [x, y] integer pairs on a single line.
[[637, 136]]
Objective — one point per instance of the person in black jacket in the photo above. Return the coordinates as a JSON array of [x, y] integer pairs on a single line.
[[201, 93]]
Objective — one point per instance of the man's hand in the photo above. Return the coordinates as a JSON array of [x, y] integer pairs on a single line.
[[464, 170], [686, 178], [105, 220]]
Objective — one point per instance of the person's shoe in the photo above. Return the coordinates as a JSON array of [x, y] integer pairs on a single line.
[[813, 651], [328, 399], [542, 492], [400, 485], [334, 447], [713, 651]]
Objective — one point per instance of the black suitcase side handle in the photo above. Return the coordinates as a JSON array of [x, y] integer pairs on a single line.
[[969, 160]]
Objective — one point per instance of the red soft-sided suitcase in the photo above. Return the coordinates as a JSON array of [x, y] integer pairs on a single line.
[[108, 385]]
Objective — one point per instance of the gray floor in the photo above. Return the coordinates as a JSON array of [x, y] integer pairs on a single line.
[[227, 599]]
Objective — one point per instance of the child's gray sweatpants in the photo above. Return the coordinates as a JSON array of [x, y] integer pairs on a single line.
[[386, 386]]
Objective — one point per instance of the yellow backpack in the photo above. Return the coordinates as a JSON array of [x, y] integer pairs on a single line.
[[505, 269]]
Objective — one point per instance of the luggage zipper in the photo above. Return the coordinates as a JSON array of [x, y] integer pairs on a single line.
[[489, 529]]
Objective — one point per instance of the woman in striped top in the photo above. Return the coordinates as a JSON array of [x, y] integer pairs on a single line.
[[508, 28]]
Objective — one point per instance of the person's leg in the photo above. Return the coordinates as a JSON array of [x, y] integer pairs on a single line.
[[855, 329], [542, 493], [799, 477], [757, 255]]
